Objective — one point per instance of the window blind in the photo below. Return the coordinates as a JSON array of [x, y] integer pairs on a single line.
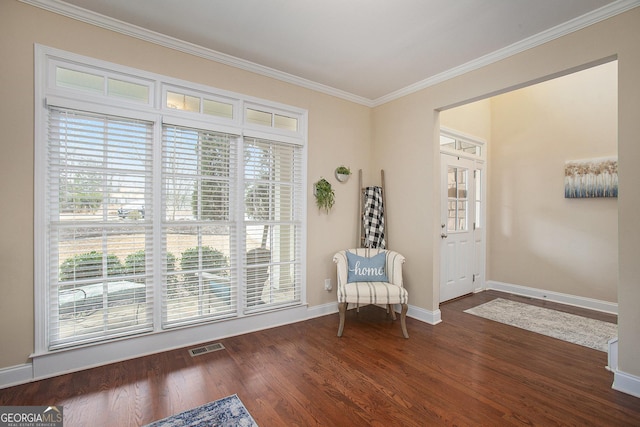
[[272, 224], [99, 220], [155, 215], [199, 184]]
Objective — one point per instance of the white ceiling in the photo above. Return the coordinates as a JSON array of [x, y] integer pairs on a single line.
[[365, 49]]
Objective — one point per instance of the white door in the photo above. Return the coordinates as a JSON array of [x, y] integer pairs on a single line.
[[461, 233]]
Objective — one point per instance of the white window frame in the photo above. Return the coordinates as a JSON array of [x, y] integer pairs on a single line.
[[48, 362], [202, 92], [467, 139]]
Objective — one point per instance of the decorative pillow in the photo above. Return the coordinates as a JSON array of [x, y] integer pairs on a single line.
[[363, 269]]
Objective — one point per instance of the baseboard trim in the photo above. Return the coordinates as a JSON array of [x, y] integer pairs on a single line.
[[612, 355], [622, 381], [16, 375], [322, 310], [626, 383], [542, 294], [57, 363], [427, 316], [51, 364]]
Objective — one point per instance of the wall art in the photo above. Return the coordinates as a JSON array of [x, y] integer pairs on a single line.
[[591, 178]]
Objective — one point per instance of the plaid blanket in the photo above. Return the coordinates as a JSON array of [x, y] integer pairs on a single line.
[[373, 218]]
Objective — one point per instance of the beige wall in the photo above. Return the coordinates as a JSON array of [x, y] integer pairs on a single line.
[[397, 137], [537, 237], [409, 125], [473, 119], [403, 135], [339, 133]]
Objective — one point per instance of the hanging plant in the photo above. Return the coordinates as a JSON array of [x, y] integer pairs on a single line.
[[325, 197]]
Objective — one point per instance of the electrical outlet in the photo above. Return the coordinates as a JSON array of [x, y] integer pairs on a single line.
[[327, 284]]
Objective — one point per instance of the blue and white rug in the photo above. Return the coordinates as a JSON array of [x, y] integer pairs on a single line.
[[552, 323], [226, 412]]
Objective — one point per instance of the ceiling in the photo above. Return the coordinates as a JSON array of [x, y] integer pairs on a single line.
[[368, 50]]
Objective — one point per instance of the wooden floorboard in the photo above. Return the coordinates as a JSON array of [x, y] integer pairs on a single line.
[[466, 371]]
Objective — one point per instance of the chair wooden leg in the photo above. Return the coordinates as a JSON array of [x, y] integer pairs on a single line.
[[403, 320], [392, 311], [342, 308]]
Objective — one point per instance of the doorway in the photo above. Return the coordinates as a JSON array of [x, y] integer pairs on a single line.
[[540, 243], [462, 227]]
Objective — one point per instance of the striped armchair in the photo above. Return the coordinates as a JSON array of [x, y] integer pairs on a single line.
[[380, 292]]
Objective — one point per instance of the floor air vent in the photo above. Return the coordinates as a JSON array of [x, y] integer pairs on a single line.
[[206, 349]]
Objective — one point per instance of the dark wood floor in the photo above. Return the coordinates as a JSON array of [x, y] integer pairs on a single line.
[[466, 371]]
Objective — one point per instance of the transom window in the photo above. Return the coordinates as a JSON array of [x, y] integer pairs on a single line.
[[160, 213], [453, 142], [274, 120], [207, 104]]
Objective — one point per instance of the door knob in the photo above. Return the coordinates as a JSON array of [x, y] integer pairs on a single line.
[[443, 235]]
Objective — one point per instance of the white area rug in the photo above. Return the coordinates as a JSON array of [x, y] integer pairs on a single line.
[[557, 324]]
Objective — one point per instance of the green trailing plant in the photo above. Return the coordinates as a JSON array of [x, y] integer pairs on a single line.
[[325, 197]]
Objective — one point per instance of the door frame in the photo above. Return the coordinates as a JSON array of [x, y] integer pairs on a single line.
[[479, 159]]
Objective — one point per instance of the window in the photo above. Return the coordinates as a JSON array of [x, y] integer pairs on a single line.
[[477, 176], [457, 201], [178, 99], [271, 119], [199, 170], [273, 176], [160, 215], [101, 83], [453, 142], [99, 194]]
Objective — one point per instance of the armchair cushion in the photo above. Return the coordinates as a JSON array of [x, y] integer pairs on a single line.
[[366, 269], [363, 293]]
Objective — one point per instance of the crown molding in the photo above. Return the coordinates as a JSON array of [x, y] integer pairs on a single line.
[[93, 18], [605, 12], [80, 14]]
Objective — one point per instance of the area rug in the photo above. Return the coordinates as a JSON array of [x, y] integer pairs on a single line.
[[226, 412], [557, 324]]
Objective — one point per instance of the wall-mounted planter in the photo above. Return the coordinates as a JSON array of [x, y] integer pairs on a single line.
[[343, 173]]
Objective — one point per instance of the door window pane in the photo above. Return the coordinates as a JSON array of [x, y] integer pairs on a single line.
[[457, 199], [478, 186], [469, 148], [447, 142]]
